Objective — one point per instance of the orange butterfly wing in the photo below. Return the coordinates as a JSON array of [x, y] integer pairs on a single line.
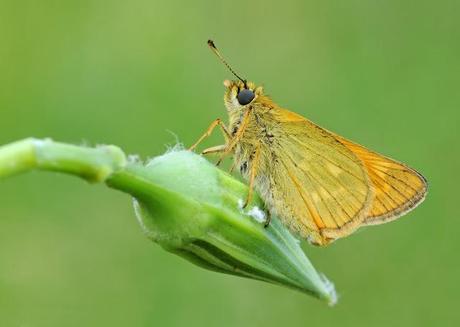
[[397, 188], [321, 200], [314, 183]]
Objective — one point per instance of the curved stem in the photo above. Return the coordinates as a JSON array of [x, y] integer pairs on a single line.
[[101, 164], [92, 164]]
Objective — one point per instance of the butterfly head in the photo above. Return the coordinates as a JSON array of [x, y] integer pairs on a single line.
[[239, 94]]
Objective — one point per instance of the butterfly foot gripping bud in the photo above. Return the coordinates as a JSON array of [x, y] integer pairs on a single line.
[[193, 209]]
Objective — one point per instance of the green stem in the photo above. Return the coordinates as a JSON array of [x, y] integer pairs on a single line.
[[92, 164], [101, 164], [17, 157]]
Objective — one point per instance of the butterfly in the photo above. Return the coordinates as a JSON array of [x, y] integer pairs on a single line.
[[321, 185]]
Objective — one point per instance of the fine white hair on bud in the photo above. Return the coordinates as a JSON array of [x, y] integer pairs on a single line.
[[134, 158], [178, 146], [255, 212], [40, 142]]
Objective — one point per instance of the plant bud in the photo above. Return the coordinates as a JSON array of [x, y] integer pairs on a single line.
[[193, 209]]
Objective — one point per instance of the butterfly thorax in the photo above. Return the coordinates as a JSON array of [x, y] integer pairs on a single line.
[[256, 130]]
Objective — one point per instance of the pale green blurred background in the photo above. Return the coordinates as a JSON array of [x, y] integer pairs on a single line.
[[383, 73]]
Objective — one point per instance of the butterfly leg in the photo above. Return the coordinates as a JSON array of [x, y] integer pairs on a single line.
[[232, 167], [253, 173], [218, 149], [268, 219], [233, 141], [214, 149], [214, 124]]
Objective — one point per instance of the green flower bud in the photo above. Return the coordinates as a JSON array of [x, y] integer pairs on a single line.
[[193, 209]]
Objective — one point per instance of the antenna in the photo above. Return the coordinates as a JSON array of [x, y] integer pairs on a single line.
[[214, 49]]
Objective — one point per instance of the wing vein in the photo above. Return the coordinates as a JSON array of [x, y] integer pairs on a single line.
[[307, 205], [335, 199], [398, 179], [394, 188], [319, 194], [328, 160], [383, 204]]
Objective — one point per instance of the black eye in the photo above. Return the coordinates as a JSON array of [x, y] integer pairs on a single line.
[[245, 96]]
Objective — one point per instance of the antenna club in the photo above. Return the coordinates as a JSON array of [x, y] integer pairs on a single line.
[[211, 44]]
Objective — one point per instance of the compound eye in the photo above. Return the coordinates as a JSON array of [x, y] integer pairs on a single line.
[[245, 96]]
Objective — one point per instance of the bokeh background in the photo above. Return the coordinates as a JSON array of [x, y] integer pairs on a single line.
[[135, 73]]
